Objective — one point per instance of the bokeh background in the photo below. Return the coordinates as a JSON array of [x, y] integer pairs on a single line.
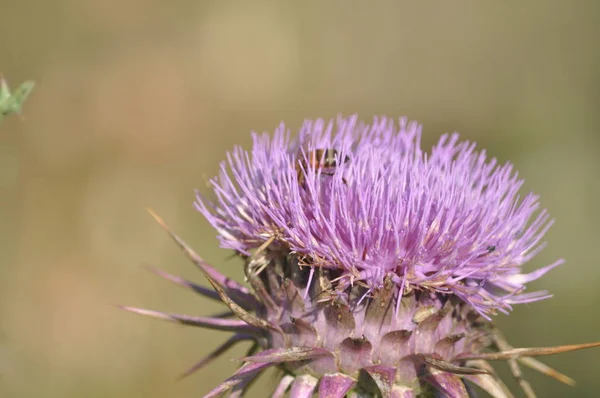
[[137, 101]]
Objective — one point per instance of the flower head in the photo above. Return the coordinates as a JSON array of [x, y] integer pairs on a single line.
[[448, 221], [374, 267]]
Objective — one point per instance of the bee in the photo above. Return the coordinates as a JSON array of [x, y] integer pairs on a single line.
[[324, 159]]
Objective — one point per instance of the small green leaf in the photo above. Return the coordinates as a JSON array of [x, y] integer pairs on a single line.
[[13, 102]]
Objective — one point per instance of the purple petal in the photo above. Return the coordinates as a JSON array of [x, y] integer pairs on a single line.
[[355, 354], [395, 346], [239, 390], [448, 384], [521, 279], [340, 323], [282, 387], [303, 386], [247, 371], [384, 377], [402, 392], [335, 385]]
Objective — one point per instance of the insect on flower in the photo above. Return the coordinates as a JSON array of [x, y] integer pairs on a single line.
[[325, 160], [488, 250]]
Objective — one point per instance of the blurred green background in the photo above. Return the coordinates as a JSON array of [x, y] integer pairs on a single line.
[[137, 101]]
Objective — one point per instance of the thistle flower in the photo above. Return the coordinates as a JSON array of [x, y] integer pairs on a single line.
[[374, 267]]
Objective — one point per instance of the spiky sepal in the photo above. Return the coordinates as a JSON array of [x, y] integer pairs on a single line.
[[328, 338]]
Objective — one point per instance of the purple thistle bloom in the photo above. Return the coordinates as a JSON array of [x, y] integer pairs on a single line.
[[449, 221], [374, 267]]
